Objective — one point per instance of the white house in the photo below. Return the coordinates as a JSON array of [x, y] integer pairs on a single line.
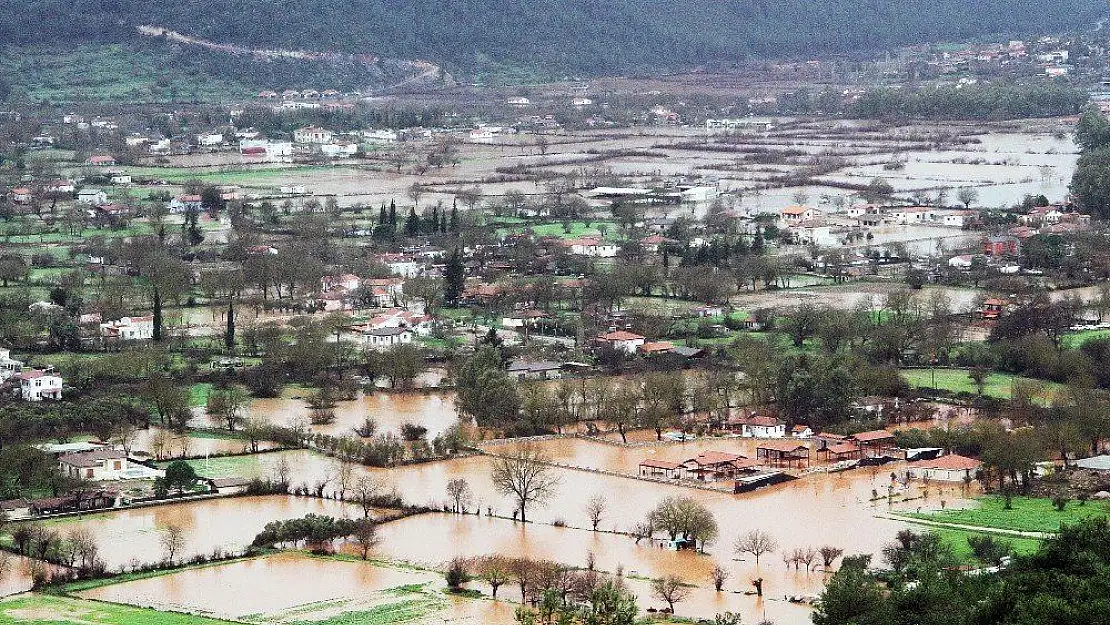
[[39, 385], [957, 218], [401, 265], [622, 341], [129, 329], [313, 135], [9, 366], [801, 431], [339, 150], [92, 197], [518, 101], [185, 203], [385, 338], [912, 215], [947, 468], [105, 464], [380, 136], [758, 426], [591, 246], [347, 281], [60, 187], [279, 152], [792, 215], [119, 178], [210, 139]]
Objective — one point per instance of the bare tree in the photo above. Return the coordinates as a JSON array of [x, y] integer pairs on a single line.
[[830, 554], [525, 476], [495, 571], [458, 491], [595, 510], [642, 530], [343, 478], [671, 589], [366, 536], [808, 557], [522, 571], [366, 493], [755, 542], [720, 576], [173, 539]]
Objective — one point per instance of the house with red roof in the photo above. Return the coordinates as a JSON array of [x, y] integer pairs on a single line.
[[947, 468], [22, 195], [873, 443], [101, 160], [622, 341], [664, 469], [710, 466], [38, 385]]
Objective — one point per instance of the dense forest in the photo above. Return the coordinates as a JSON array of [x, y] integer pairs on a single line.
[[572, 36]]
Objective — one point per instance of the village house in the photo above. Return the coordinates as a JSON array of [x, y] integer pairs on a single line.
[[993, 308], [801, 431], [119, 178], [101, 160], [185, 203], [313, 135], [591, 246], [128, 329], [652, 243], [210, 139], [9, 367], [541, 370], [909, 215], [654, 348], [757, 426], [384, 292], [22, 195], [1041, 216], [386, 338], [957, 218], [796, 214], [1001, 246], [92, 197], [523, 319], [38, 385], [60, 187], [660, 469], [946, 468], [627, 342], [347, 281], [401, 265], [97, 465]]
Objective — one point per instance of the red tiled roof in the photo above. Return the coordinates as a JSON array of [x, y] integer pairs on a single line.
[[660, 464], [953, 462], [621, 335], [873, 435]]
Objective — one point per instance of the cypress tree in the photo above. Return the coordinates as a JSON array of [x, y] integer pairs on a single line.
[[455, 216], [229, 333]]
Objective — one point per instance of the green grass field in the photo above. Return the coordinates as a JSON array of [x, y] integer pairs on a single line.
[[998, 385], [956, 540], [1075, 340], [1029, 514], [52, 610], [228, 466]]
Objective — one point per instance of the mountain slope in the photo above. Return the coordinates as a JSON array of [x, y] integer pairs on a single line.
[[586, 36]]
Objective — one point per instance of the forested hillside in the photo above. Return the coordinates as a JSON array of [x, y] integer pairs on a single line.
[[573, 36]]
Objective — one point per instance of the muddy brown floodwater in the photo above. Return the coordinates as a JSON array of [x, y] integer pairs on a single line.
[[815, 510], [131, 537], [433, 410], [251, 589]]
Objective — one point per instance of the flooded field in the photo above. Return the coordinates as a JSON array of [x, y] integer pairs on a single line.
[[130, 537], [246, 591], [433, 410]]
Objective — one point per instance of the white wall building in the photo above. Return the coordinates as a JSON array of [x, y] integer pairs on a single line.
[[39, 386]]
